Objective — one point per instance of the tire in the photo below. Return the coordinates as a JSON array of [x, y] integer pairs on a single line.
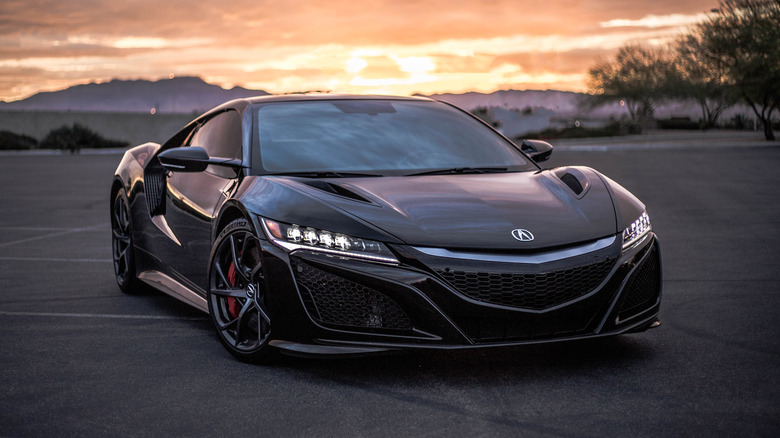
[[122, 245], [237, 298]]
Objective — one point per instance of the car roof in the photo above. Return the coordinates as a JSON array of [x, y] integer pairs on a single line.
[[327, 96], [243, 103]]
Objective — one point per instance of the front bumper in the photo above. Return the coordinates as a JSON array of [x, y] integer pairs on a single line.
[[325, 304]]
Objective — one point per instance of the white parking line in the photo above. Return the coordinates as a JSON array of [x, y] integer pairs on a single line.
[[102, 315], [34, 228], [54, 259], [60, 233]]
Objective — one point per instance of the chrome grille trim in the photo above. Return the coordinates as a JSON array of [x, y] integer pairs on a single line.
[[537, 258]]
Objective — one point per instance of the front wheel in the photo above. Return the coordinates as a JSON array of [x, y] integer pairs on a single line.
[[238, 304]]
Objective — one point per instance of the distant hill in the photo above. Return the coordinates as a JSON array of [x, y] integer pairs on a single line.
[[562, 103], [192, 95], [559, 101], [180, 95]]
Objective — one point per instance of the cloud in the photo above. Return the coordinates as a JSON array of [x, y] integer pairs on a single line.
[[656, 21], [569, 62], [379, 67], [399, 46]]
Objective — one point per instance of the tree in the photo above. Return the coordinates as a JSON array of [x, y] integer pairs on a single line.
[[9, 140], [76, 137], [703, 79], [744, 37], [486, 115], [641, 77]]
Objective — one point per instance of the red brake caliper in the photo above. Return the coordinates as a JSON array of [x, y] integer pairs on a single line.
[[233, 305]]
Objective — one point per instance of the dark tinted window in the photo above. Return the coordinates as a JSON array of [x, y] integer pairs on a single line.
[[396, 137], [220, 136]]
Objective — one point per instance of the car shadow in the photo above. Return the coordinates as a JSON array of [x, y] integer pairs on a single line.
[[480, 366], [467, 366]]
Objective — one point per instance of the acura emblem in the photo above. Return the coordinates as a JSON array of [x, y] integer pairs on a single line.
[[522, 235]]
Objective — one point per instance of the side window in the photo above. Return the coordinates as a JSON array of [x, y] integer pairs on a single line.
[[220, 136]]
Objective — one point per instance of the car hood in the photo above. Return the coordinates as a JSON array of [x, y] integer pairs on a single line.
[[469, 210]]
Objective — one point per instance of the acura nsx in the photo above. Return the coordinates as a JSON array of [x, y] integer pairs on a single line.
[[338, 224]]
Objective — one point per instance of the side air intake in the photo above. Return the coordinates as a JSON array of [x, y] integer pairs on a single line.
[[154, 186]]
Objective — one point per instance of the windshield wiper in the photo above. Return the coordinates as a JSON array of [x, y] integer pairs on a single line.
[[460, 170], [324, 174]]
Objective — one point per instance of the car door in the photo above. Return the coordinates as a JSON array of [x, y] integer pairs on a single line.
[[193, 198]]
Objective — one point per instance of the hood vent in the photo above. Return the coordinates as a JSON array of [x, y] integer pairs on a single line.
[[572, 182], [574, 179], [335, 189]]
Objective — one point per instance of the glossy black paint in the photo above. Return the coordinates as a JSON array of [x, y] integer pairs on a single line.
[[566, 208]]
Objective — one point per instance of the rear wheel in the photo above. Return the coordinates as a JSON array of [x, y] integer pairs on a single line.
[[122, 244], [238, 304]]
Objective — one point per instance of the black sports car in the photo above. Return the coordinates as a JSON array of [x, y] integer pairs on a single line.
[[332, 224]]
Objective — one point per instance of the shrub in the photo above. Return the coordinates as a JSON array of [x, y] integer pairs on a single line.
[[486, 115], [76, 137], [613, 129], [9, 140], [680, 123]]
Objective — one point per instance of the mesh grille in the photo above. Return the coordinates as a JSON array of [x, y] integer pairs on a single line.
[[644, 287], [536, 291], [335, 300]]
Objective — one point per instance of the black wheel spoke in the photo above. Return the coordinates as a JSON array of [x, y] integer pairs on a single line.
[[226, 325], [237, 258], [243, 245], [263, 316], [255, 270], [218, 268], [241, 315], [235, 293]]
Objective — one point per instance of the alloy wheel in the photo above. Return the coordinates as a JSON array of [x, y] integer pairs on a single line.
[[237, 299]]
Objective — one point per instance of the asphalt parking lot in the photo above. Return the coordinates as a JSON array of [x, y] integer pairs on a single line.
[[79, 358]]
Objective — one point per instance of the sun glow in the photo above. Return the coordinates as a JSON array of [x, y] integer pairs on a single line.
[[416, 65], [378, 70], [403, 49], [656, 21]]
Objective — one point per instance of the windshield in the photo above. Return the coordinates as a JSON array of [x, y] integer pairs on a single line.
[[383, 137]]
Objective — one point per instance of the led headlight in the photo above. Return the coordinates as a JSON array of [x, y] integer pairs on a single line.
[[636, 231], [294, 237]]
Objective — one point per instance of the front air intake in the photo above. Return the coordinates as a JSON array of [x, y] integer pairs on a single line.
[[336, 301]]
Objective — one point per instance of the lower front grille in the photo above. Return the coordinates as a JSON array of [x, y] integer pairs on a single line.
[[534, 291], [643, 287], [334, 300]]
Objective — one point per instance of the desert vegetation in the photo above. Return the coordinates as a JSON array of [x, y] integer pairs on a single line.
[[72, 138], [732, 56]]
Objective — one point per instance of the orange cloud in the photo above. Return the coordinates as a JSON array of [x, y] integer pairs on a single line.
[[400, 46]]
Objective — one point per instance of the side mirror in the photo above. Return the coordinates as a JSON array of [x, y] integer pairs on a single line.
[[185, 159], [536, 149]]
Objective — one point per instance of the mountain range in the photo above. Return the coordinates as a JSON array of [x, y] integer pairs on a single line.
[[193, 95], [179, 95]]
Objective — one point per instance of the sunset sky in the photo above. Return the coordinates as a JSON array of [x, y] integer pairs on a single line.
[[360, 46]]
